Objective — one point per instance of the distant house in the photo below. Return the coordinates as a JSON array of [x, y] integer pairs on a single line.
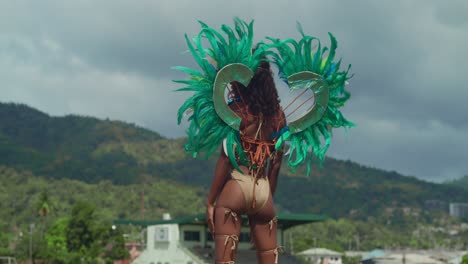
[[321, 256], [187, 240], [435, 205]]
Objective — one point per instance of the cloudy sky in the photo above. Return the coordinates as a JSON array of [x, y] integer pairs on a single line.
[[112, 59]]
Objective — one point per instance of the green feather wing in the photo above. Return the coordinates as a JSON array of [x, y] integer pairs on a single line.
[[293, 57], [229, 46]]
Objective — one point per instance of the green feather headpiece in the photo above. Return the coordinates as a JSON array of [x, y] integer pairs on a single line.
[[301, 66]]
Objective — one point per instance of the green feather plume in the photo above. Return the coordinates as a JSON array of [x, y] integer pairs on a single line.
[[206, 129], [293, 57]]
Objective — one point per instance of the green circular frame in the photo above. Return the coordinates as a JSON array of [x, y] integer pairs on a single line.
[[229, 73], [319, 86]]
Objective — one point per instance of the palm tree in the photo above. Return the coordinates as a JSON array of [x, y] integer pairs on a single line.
[[43, 208]]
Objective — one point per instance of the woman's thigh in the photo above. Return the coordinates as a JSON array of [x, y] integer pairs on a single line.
[[229, 206], [263, 227], [232, 197]]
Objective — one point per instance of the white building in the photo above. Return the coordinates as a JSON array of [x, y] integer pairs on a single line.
[[459, 209], [187, 240], [321, 256]]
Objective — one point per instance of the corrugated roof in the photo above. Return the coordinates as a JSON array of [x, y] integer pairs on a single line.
[[285, 221], [376, 253], [320, 252]]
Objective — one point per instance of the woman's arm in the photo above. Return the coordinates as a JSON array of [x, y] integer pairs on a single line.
[[223, 166], [219, 179], [275, 168], [273, 176]]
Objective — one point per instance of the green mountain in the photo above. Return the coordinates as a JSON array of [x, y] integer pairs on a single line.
[[461, 182], [20, 193], [90, 150]]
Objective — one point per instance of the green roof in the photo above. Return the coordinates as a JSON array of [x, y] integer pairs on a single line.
[[285, 221]]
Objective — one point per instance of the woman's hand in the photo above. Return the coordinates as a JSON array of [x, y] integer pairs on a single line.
[[210, 219]]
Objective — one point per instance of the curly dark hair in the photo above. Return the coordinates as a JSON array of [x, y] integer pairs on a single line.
[[260, 95]]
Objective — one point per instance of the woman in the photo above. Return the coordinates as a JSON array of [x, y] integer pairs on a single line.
[[233, 193]]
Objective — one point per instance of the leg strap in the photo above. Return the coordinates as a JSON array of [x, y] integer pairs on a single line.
[[234, 239], [275, 251], [273, 221], [228, 211]]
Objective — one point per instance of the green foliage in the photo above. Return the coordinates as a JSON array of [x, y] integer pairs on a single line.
[[344, 234], [31, 244], [86, 238], [81, 232], [461, 182], [5, 239], [77, 238], [43, 204], [62, 147], [116, 243], [350, 260], [56, 241], [20, 193], [465, 259]]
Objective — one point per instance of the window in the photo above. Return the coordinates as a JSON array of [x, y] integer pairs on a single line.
[[191, 235], [161, 234]]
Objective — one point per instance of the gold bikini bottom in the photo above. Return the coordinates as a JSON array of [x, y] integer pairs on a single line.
[[260, 191]]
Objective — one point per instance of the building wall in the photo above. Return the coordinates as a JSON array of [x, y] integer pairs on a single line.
[[459, 209], [322, 259], [164, 247], [205, 239], [193, 228], [166, 244]]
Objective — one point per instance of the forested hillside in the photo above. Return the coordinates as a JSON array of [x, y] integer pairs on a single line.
[[461, 182], [126, 171], [91, 150]]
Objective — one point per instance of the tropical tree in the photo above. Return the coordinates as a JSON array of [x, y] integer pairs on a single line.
[[56, 241], [81, 233], [43, 208]]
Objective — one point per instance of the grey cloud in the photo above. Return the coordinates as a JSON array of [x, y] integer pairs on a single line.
[[118, 36], [453, 13], [112, 59], [433, 151]]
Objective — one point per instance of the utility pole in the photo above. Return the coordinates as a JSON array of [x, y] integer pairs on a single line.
[[142, 204], [31, 226], [356, 237], [291, 242]]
